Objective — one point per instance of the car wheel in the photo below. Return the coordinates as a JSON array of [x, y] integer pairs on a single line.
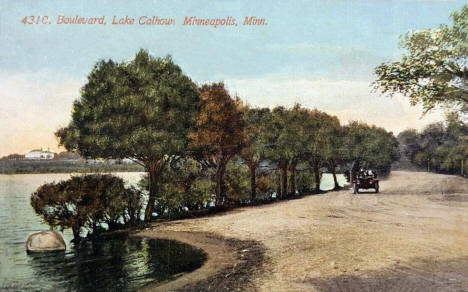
[[376, 188]]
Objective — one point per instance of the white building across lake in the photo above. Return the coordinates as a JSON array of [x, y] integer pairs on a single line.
[[39, 154]]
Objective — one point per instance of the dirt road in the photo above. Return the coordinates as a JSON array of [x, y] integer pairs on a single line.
[[413, 236]]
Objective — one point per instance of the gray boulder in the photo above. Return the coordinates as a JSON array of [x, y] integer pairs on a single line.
[[45, 241]]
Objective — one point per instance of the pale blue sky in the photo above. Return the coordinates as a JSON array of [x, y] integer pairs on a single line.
[[319, 53]]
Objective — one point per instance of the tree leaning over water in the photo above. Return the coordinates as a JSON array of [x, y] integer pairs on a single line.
[[142, 109], [87, 202]]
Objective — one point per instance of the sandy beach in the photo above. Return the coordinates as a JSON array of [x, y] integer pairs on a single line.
[[411, 236]]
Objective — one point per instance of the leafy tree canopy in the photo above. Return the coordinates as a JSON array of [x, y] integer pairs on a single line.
[[434, 70], [374, 147], [86, 202], [440, 147], [218, 135], [141, 109]]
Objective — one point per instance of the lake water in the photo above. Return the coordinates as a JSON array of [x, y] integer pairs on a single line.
[[113, 265], [327, 183]]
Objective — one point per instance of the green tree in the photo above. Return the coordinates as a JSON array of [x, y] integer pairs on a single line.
[[371, 146], [409, 143], [431, 139], [255, 120], [142, 109], [321, 129], [308, 135], [334, 153], [275, 145], [87, 202], [281, 144], [442, 147], [292, 136], [456, 145], [184, 187], [218, 134], [434, 71]]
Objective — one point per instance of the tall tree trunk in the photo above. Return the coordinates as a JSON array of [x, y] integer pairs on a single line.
[[253, 180], [220, 188], [284, 180], [76, 232], [278, 186], [335, 180], [154, 171], [292, 179], [317, 177]]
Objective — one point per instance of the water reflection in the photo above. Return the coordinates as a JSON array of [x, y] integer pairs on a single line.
[[114, 265]]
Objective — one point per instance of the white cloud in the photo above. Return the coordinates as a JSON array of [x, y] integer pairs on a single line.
[[33, 107], [349, 100]]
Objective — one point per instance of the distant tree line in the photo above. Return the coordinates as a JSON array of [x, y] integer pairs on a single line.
[[23, 166], [440, 147], [64, 155], [202, 147]]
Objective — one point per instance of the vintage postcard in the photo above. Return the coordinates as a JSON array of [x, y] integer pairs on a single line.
[[234, 145]]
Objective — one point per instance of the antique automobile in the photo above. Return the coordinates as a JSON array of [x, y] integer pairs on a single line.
[[361, 178], [365, 179]]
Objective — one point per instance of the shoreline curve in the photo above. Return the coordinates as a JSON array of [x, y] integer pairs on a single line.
[[227, 266]]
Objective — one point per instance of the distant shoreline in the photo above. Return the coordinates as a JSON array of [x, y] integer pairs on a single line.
[[64, 166]]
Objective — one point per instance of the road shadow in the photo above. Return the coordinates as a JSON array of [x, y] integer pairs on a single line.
[[416, 275]]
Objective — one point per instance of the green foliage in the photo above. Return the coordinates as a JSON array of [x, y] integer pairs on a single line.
[[142, 109], [305, 182], [286, 134], [323, 147], [237, 182], [302, 135], [256, 121], [287, 138], [184, 186], [434, 70], [374, 147], [409, 143], [440, 147], [87, 202]]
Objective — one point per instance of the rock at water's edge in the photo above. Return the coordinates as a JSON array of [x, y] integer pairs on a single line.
[[45, 241]]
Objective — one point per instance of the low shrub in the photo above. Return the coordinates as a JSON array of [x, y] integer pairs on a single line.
[[91, 202]]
